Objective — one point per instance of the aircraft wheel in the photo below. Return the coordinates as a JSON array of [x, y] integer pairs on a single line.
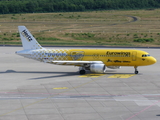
[[136, 72], [82, 72]]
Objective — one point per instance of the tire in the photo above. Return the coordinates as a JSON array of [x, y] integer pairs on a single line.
[[82, 72], [136, 72]]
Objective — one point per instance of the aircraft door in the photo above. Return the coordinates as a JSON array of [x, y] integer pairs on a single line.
[[134, 56]]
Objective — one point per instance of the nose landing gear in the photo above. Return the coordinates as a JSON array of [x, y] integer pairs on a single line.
[[136, 71]]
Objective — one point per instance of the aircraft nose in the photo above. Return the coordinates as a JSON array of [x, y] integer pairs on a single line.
[[153, 60]]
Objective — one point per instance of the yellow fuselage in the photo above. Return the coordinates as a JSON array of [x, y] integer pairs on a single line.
[[108, 57]]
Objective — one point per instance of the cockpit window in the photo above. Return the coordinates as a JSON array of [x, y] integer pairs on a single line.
[[145, 55]]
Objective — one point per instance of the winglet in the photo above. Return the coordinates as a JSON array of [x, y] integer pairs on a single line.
[[28, 41]]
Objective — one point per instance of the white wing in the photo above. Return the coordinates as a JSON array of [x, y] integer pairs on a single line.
[[75, 63]]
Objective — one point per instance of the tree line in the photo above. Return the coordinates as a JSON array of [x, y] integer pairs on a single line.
[[31, 6]]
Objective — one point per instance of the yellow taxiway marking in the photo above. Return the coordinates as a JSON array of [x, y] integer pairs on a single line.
[[61, 88], [121, 76], [91, 75]]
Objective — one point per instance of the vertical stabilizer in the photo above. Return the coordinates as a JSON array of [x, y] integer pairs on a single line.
[[28, 41]]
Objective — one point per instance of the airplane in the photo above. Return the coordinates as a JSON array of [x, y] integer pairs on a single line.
[[95, 60]]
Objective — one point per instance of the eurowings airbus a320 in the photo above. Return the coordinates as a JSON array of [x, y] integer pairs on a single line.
[[95, 60]]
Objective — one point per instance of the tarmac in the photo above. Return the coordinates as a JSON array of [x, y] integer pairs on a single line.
[[32, 90]]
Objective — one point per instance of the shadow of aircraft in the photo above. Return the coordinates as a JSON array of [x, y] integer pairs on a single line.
[[60, 74], [57, 74]]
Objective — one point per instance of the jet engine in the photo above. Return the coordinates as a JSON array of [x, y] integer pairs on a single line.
[[97, 68]]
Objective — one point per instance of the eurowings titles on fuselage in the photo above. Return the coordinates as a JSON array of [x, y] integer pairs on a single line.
[[121, 54], [95, 60]]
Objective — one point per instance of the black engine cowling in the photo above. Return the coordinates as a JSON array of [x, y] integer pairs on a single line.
[[97, 68]]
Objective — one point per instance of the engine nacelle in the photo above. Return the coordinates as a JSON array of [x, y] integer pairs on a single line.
[[97, 68], [114, 67]]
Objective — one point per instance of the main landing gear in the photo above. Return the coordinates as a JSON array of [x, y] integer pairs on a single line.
[[136, 71], [82, 71]]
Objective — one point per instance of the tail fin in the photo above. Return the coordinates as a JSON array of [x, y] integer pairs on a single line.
[[28, 41]]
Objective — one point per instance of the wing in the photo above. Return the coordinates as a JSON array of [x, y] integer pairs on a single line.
[[75, 63]]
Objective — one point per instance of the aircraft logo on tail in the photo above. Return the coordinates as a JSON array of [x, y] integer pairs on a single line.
[[25, 34]]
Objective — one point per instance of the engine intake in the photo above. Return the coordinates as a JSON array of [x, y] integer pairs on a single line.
[[97, 68]]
